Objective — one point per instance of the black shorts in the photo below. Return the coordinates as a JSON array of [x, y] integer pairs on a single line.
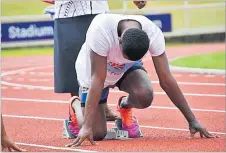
[[105, 92], [69, 36]]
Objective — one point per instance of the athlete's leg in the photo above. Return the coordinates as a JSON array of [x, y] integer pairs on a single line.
[[137, 84], [110, 115], [77, 112], [140, 90]]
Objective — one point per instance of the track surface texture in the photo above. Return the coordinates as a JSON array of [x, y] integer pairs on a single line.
[[33, 113]]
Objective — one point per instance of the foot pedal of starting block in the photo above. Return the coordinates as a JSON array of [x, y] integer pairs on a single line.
[[116, 134], [122, 135]]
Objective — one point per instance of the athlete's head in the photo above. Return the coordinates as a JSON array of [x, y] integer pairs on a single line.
[[135, 44], [134, 40]]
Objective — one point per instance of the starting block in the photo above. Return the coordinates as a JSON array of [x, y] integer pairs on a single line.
[[116, 134]]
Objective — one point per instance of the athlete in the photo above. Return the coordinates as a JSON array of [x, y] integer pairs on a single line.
[[111, 57]]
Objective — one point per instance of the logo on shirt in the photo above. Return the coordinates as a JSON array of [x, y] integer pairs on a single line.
[[116, 65], [118, 69]]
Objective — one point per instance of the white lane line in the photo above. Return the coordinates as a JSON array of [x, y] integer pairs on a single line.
[[185, 94], [66, 102], [45, 73], [25, 70], [177, 75], [193, 75], [35, 100], [112, 91], [143, 126], [49, 66], [8, 78], [4, 87], [45, 80], [27, 86], [22, 73], [209, 76], [31, 73], [154, 82], [198, 83], [17, 88], [33, 117], [174, 108], [194, 94], [53, 147], [39, 80], [174, 129], [32, 80], [41, 73]]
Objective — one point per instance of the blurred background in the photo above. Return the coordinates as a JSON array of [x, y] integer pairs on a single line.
[[185, 14], [24, 23]]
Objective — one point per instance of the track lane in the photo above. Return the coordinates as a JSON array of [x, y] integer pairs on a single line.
[[36, 131], [155, 140]]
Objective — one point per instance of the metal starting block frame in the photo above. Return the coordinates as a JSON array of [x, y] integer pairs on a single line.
[[116, 134]]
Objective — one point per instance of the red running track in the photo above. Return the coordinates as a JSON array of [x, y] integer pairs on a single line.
[[33, 114]]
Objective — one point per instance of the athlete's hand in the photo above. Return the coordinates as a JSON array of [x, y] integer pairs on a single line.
[[85, 133], [140, 4], [7, 143], [195, 127]]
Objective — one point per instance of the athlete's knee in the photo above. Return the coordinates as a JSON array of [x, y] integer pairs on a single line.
[[144, 96]]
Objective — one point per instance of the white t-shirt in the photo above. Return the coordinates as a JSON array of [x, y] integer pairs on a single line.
[[71, 8], [102, 38]]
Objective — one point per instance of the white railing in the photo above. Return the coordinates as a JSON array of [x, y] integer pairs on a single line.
[[186, 30], [154, 10], [186, 8]]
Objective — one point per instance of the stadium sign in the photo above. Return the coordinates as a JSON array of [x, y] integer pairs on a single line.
[[35, 31], [27, 31], [163, 21]]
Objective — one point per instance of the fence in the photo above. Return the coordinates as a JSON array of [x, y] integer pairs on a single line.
[[191, 15], [178, 20]]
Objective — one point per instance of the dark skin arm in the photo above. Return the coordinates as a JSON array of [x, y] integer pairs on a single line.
[[7, 143], [98, 75], [170, 86]]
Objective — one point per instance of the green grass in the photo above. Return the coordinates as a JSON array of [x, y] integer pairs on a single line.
[[43, 51], [211, 61], [22, 7], [27, 51], [206, 61], [198, 17]]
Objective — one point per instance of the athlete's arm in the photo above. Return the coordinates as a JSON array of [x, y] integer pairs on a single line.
[[6, 142], [98, 75], [167, 81], [170, 86], [99, 47]]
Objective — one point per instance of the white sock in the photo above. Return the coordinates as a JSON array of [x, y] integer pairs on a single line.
[[76, 105]]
